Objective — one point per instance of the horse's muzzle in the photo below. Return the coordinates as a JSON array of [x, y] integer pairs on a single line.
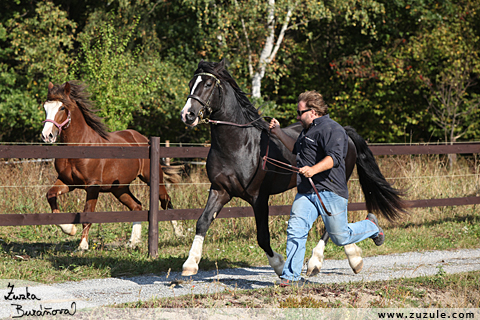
[[190, 119]]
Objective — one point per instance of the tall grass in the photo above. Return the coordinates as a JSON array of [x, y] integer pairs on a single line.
[[44, 253]]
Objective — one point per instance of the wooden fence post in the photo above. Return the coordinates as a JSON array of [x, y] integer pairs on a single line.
[[154, 190]]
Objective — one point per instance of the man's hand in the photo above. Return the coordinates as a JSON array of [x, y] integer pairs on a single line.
[[307, 171], [325, 164], [276, 130], [275, 126]]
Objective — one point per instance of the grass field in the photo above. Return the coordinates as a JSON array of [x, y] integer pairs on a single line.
[[45, 254]]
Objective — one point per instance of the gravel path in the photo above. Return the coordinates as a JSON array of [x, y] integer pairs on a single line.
[[103, 292]]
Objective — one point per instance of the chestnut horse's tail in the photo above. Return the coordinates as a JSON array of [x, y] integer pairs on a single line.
[[173, 174], [380, 196]]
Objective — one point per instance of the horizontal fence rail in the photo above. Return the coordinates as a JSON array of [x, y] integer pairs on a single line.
[[155, 152], [125, 152]]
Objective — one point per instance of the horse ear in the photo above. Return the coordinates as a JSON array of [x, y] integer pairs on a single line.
[[221, 64], [50, 86], [66, 90]]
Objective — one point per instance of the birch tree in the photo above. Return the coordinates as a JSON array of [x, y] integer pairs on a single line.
[[257, 37]]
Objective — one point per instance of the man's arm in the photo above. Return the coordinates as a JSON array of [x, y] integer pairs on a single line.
[[288, 141], [324, 164]]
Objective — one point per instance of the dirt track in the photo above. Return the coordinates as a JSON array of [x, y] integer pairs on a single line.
[[103, 292]]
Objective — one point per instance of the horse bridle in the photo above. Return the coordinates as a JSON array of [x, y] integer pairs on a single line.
[[266, 158], [206, 109], [64, 125]]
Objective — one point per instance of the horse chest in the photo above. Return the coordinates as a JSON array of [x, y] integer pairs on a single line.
[[72, 171]]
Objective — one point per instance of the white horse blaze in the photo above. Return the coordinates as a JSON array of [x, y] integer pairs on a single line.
[[188, 104], [354, 255], [316, 261], [276, 262], [51, 110], [190, 267]]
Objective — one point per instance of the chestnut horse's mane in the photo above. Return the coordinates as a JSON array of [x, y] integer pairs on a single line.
[[79, 94]]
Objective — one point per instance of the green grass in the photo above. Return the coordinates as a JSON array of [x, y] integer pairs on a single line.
[[45, 254]]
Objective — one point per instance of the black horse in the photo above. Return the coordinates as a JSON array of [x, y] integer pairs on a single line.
[[239, 140]]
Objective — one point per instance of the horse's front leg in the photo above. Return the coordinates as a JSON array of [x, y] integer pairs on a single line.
[[60, 188], [92, 197], [216, 200], [260, 209]]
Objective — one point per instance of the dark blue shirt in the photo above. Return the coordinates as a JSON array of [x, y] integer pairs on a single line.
[[324, 137]]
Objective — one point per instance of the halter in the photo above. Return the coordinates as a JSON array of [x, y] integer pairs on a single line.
[[206, 110], [60, 126]]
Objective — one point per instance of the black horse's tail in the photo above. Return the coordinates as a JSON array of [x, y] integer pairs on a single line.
[[380, 196]]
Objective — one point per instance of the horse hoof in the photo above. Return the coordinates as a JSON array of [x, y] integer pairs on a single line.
[[354, 255], [315, 263], [83, 246], [276, 262], [69, 229], [132, 245], [358, 267], [189, 271], [314, 266]]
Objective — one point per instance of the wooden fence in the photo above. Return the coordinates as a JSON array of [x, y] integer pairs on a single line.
[[154, 152]]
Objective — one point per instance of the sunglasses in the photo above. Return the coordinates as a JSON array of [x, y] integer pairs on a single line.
[[302, 112]]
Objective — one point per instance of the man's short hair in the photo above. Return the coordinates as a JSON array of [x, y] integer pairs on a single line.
[[314, 100]]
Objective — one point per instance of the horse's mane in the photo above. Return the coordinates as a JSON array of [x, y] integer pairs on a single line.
[[79, 94], [247, 108]]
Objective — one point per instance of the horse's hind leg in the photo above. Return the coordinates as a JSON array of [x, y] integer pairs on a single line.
[[92, 197], [316, 261], [352, 251], [216, 200], [60, 188], [354, 255], [125, 196], [166, 204]]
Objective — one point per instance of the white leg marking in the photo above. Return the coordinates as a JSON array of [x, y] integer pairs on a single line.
[[69, 229], [316, 261], [354, 255], [83, 245], [188, 104], [136, 236], [276, 262], [178, 229], [190, 267]]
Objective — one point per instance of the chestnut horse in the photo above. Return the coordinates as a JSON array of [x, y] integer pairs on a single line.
[[70, 120]]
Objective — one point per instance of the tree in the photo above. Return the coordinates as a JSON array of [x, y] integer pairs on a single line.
[[250, 34], [38, 48]]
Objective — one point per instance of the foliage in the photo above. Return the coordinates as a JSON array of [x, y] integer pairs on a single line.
[[38, 50], [118, 82], [384, 67]]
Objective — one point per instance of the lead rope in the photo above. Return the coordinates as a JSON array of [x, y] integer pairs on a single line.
[[291, 168]]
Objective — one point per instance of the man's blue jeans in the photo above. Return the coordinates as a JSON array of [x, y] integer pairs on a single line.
[[304, 212]]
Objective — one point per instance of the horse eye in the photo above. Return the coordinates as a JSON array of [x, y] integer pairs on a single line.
[[62, 108], [208, 84]]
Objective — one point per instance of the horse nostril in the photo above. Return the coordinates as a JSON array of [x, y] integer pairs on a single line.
[[191, 116]]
